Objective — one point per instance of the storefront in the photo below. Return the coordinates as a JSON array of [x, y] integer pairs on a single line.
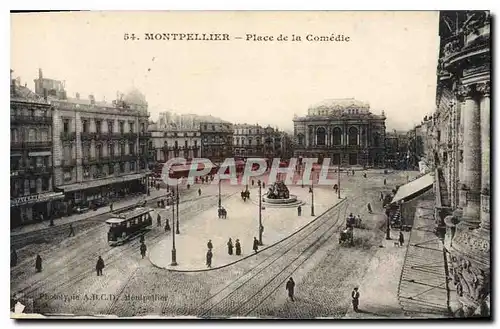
[[27, 209]]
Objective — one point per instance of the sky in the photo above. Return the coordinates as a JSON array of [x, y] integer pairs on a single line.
[[389, 62]]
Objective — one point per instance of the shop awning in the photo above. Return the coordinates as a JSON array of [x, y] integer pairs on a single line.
[[414, 188], [100, 182]]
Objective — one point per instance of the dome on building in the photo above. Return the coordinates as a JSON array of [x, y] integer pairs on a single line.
[[340, 104], [134, 96]]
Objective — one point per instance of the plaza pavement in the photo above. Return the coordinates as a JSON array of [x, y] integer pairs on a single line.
[[242, 223]]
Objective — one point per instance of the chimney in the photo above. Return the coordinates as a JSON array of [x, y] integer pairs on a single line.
[[77, 95]]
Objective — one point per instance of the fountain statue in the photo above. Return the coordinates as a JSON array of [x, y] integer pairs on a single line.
[[278, 191]]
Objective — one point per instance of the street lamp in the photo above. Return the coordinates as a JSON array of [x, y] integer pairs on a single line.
[[260, 213], [338, 183], [388, 229], [174, 252], [311, 190], [177, 202], [220, 201]]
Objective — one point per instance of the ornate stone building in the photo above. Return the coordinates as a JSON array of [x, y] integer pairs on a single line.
[[216, 140], [172, 141], [248, 141], [31, 186], [461, 155], [100, 149], [341, 129]]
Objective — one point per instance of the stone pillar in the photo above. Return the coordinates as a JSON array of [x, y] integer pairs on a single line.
[[484, 90], [471, 157]]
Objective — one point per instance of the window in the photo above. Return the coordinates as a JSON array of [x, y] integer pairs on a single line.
[[213, 128], [111, 150], [353, 136], [143, 127], [122, 149], [111, 126], [86, 172], [32, 135], [45, 184], [195, 144], [132, 166], [111, 169], [204, 127], [122, 127], [337, 136], [122, 167], [131, 148], [186, 144], [131, 127], [85, 126], [66, 126], [176, 144], [98, 151], [98, 124]]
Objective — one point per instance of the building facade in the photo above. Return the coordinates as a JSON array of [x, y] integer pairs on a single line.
[[216, 140], [32, 197], [100, 149], [343, 130], [168, 142], [248, 141], [460, 150]]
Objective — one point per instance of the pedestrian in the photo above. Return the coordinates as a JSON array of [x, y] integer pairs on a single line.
[[143, 250], [353, 172], [299, 210], [355, 299], [199, 192], [238, 247], [369, 206], [401, 239], [253, 182], [158, 220], [111, 207], [381, 196], [210, 245], [167, 226], [385, 181], [13, 258], [209, 258], [188, 186], [255, 244], [99, 266], [51, 221], [71, 230], [230, 247], [263, 185], [290, 286], [141, 239], [38, 263]]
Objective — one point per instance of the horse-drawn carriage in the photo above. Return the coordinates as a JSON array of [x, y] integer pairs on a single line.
[[222, 213], [347, 237], [353, 221], [245, 195]]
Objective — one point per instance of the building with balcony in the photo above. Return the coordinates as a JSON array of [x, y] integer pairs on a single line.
[[460, 148], [32, 196], [100, 149], [343, 130], [172, 141], [216, 140], [248, 141]]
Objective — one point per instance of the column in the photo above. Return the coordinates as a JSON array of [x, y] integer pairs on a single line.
[[471, 158], [484, 105]]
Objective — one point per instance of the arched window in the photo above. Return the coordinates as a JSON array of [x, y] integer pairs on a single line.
[[32, 135], [321, 136], [300, 139], [376, 139], [337, 136], [353, 136], [14, 135]]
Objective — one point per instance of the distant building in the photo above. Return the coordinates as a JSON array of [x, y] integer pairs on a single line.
[[216, 140], [248, 141], [172, 141], [343, 130], [32, 196]]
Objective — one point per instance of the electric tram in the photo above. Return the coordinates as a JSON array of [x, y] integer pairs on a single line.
[[125, 225]]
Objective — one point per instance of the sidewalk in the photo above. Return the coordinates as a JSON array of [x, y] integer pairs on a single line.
[[379, 287], [241, 223], [423, 290], [154, 194]]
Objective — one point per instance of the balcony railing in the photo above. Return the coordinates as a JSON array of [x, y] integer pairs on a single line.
[[130, 135], [144, 134], [68, 136], [31, 145], [88, 136], [68, 163], [40, 170], [17, 118]]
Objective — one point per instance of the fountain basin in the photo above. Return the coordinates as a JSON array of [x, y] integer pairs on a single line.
[[291, 201]]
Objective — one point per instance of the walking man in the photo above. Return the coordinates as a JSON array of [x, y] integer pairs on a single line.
[[199, 191], [369, 206], [385, 181], [355, 299], [99, 266], [290, 286], [255, 244], [209, 258], [230, 247], [158, 220], [210, 245], [401, 239], [167, 226], [71, 230], [38, 263], [143, 250], [111, 207], [238, 247], [299, 211]]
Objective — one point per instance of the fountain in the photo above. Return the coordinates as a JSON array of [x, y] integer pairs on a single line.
[[278, 195]]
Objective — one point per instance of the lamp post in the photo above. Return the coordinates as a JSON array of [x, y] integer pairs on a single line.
[[388, 229], [174, 252], [312, 198], [260, 213], [177, 203], [220, 202], [338, 183]]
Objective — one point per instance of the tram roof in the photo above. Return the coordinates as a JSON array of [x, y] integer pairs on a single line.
[[124, 216]]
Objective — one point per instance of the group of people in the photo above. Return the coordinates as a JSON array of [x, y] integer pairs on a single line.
[[231, 248]]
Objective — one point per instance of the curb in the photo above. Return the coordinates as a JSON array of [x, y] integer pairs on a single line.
[[254, 254]]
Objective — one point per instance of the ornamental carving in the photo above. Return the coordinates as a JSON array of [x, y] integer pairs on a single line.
[[473, 242], [471, 282], [484, 88], [465, 92]]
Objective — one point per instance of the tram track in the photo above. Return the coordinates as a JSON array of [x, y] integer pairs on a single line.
[[230, 299], [112, 255]]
